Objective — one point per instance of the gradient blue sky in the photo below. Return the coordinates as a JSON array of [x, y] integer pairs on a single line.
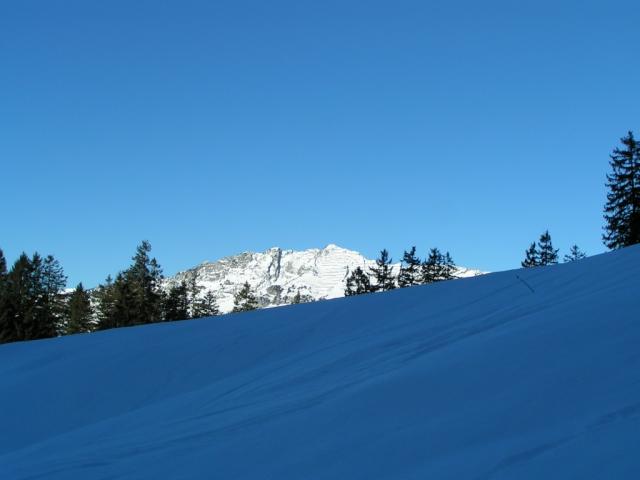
[[215, 127]]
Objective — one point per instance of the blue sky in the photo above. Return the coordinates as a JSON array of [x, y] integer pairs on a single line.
[[212, 128]]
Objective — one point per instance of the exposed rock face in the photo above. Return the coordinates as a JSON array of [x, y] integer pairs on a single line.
[[276, 275]]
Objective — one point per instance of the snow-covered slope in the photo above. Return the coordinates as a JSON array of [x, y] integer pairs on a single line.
[[525, 374], [277, 275]]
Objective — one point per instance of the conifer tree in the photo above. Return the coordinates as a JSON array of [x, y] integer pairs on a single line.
[[31, 300], [383, 273], [447, 267], [205, 306], [193, 295], [532, 257], [80, 312], [574, 254], [431, 269], [105, 299], [409, 269], [245, 300], [145, 278], [176, 302], [547, 254], [297, 298], [622, 209], [3, 267], [357, 283]]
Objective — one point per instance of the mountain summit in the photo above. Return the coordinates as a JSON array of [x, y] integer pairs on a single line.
[[276, 275]]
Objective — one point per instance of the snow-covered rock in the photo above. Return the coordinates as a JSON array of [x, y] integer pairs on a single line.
[[276, 275]]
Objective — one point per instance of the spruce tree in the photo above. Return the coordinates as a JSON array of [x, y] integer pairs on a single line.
[[383, 273], [431, 270], [357, 283], [532, 257], [104, 296], [297, 298], [3, 268], [17, 301], [31, 301], [80, 312], [205, 306], [574, 254], [409, 269], [245, 300], [547, 254], [447, 267], [193, 295], [144, 278], [176, 302], [622, 209]]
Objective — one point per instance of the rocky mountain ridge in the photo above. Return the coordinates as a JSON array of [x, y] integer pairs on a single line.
[[277, 275]]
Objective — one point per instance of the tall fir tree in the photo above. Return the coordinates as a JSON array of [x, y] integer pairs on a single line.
[[3, 267], [105, 300], [447, 267], [245, 300], [176, 302], [409, 269], [193, 296], [383, 273], [547, 254], [431, 269], [80, 314], [145, 278], [31, 301], [3, 276], [205, 306], [622, 209], [532, 257], [574, 254], [358, 283], [437, 267]]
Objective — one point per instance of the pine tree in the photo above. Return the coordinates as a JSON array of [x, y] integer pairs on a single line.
[[622, 210], [547, 254], [431, 270], [574, 254], [3, 267], [193, 295], [532, 257], [176, 303], [357, 283], [297, 298], [53, 283], [31, 301], [80, 312], [409, 269], [383, 273], [447, 267], [144, 278], [16, 301], [245, 300], [205, 306], [104, 296]]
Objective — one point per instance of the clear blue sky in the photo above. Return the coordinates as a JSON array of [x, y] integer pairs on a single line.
[[212, 128]]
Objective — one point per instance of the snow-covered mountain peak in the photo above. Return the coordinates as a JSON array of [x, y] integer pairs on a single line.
[[277, 275]]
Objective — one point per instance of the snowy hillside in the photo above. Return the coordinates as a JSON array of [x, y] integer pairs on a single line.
[[277, 275], [527, 374]]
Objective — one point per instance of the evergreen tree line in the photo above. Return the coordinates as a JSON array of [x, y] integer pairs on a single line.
[[542, 253], [436, 267], [34, 304]]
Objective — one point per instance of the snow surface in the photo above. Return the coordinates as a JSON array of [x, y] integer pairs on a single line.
[[276, 275], [477, 378]]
